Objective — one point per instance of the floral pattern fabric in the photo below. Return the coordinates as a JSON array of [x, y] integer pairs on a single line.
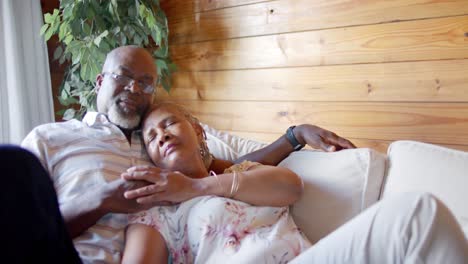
[[212, 229]]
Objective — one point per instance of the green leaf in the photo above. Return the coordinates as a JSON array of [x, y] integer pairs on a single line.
[[166, 84], [76, 57], [143, 11], [84, 70], [116, 30], [63, 30], [161, 51], [48, 18], [55, 14], [68, 39], [131, 32], [69, 114], [75, 26], [161, 64], [58, 52], [123, 40], [60, 112], [66, 99], [137, 40], [67, 12], [132, 11], [49, 34], [66, 87], [98, 39], [104, 46], [62, 59], [86, 28], [172, 67], [44, 28]]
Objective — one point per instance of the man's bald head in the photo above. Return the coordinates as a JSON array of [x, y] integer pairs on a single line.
[[124, 53]]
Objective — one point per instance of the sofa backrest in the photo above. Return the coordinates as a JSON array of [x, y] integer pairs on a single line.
[[337, 185]]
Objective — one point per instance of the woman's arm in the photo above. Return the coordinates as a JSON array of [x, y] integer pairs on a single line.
[[143, 244], [311, 135], [261, 185]]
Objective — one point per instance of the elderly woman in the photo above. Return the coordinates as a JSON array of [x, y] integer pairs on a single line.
[[241, 215]]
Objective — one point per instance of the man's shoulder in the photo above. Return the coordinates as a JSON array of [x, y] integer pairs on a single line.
[[51, 127], [46, 131]]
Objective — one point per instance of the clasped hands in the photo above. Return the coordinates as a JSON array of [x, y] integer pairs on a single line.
[[165, 187]]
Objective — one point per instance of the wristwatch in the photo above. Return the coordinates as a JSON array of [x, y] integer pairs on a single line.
[[292, 139]]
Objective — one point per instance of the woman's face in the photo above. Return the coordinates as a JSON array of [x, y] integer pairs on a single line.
[[171, 140]]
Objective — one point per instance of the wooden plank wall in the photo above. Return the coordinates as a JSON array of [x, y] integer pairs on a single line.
[[373, 71]]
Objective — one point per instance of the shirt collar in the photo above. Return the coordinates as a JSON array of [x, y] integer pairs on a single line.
[[95, 119]]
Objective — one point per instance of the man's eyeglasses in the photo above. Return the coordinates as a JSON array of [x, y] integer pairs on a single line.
[[146, 85]]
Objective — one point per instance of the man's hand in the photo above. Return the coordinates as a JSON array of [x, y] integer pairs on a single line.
[[168, 186], [320, 138], [113, 200], [84, 211]]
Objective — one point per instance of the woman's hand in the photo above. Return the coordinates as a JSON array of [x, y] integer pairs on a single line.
[[320, 138], [168, 187]]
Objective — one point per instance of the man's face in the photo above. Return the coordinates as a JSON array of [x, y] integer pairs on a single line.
[[125, 102]]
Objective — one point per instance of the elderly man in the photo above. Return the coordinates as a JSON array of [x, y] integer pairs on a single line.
[[85, 159]]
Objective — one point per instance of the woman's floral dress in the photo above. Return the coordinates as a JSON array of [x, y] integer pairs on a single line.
[[212, 229]]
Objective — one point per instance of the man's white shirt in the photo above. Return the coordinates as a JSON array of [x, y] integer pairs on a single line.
[[79, 156]]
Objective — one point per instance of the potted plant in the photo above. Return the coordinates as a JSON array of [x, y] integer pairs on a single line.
[[88, 29]]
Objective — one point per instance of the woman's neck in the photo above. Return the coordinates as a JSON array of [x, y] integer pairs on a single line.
[[197, 170]]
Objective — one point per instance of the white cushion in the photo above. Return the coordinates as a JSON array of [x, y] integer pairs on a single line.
[[229, 147], [416, 166], [337, 185]]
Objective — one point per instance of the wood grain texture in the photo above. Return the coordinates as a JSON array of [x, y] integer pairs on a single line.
[[432, 39], [184, 8], [379, 145], [434, 81], [443, 123], [244, 18]]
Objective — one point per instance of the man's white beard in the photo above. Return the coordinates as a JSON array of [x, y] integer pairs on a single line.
[[121, 119]]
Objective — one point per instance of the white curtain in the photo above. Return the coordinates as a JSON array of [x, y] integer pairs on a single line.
[[25, 87]]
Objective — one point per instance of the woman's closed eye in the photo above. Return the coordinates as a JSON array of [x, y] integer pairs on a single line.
[[150, 138], [170, 123]]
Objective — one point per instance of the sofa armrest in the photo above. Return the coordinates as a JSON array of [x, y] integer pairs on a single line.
[[417, 166]]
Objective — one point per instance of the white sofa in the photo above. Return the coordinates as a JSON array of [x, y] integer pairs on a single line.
[[340, 185]]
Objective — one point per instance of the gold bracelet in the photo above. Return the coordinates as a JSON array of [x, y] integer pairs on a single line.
[[212, 173], [235, 184], [238, 182]]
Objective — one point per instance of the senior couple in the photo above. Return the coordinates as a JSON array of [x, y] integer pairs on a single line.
[[135, 183]]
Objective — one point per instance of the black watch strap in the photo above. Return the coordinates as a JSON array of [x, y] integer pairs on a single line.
[[292, 139]]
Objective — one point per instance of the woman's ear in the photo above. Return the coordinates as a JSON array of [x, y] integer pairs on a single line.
[[199, 131]]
